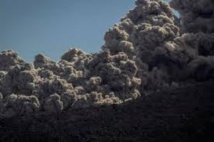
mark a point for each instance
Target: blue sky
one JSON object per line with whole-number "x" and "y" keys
{"x": 51, "y": 27}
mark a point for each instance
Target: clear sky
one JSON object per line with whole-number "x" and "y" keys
{"x": 51, "y": 27}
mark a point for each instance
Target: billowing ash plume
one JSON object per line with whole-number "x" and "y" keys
{"x": 196, "y": 15}
{"x": 142, "y": 35}
{"x": 146, "y": 51}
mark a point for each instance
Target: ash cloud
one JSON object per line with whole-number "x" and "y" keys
{"x": 146, "y": 51}
{"x": 196, "y": 15}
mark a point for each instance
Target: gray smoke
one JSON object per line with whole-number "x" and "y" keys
{"x": 196, "y": 15}
{"x": 146, "y": 51}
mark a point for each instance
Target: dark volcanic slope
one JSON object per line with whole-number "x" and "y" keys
{"x": 177, "y": 115}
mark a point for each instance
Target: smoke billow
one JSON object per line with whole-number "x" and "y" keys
{"x": 146, "y": 51}
{"x": 196, "y": 15}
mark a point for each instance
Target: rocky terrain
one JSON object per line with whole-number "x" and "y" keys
{"x": 179, "y": 115}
